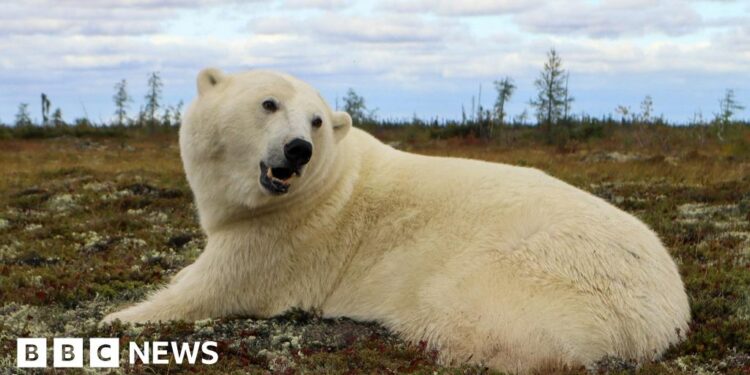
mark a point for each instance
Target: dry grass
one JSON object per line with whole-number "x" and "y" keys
{"x": 87, "y": 225}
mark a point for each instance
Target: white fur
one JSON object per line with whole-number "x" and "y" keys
{"x": 490, "y": 263}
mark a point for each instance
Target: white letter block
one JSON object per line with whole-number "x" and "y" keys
{"x": 31, "y": 353}
{"x": 104, "y": 352}
{"x": 67, "y": 352}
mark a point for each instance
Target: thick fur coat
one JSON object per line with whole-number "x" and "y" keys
{"x": 489, "y": 263}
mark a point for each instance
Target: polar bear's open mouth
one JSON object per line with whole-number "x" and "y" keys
{"x": 277, "y": 179}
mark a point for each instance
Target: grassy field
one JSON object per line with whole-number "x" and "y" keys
{"x": 90, "y": 224}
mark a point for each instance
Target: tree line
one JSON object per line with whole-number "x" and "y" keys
{"x": 551, "y": 106}
{"x": 153, "y": 113}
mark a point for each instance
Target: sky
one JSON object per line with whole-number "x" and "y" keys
{"x": 411, "y": 57}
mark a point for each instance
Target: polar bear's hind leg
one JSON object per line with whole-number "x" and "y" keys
{"x": 534, "y": 308}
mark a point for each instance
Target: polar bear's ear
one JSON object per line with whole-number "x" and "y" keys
{"x": 342, "y": 122}
{"x": 208, "y": 78}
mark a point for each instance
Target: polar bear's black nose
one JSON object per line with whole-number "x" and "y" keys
{"x": 298, "y": 152}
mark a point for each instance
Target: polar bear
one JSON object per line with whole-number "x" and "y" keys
{"x": 489, "y": 263}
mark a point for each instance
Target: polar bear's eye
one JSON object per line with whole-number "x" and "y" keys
{"x": 270, "y": 105}
{"x": 317, "y": 122}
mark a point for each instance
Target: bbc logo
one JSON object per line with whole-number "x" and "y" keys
{"x": 105, "y": 352}
{"x": 67, "y": 352}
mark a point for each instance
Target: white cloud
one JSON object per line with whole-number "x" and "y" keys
{"x": 79, "y": 47}
{"x": 737, "y": 40}
{"x": 462, "y": 8}
{"x": 337, "y": 27}
{"x": 613, "y": 18}
{"x": 105, "y": 17}
{"x": 316, "y": 4}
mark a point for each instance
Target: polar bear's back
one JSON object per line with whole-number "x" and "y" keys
{"x": 581, "y": 270}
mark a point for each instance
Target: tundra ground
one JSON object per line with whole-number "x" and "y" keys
{"x": 87, "y": 225}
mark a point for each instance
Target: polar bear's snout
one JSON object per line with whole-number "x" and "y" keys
{"x": 276, "y": 179}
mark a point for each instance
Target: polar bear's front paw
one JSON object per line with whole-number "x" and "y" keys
{"x": 120, "y": 315}
{"x": 133, "y": 314}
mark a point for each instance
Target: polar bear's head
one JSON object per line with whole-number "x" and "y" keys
{"x": 258, "y": 137}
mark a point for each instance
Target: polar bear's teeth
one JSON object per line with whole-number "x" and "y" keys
{"x": 269, "y": 174}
